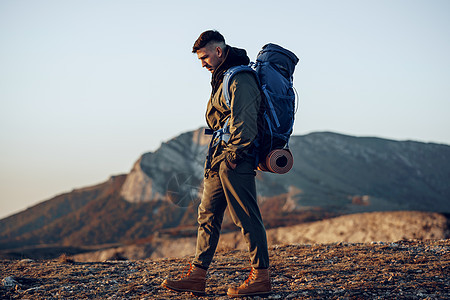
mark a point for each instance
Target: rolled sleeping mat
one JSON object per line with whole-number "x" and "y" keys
{"x": 278, "y": 161}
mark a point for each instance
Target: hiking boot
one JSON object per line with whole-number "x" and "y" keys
{"x": 194, "y": 281}
{"x": 257, "y": 284}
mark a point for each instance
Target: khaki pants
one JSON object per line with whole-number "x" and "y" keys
{"x": 235, "y": 189}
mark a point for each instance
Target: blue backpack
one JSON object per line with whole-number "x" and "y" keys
{"x": 273, "y": 69}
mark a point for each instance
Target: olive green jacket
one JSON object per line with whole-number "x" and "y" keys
{"x": 243, "y": 118}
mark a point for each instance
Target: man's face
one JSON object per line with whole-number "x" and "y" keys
{"x": 210, "y": 56}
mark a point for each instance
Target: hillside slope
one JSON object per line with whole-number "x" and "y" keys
{"x": 356, "y": 228}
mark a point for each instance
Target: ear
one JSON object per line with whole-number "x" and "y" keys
{"x": 219, "y": 51}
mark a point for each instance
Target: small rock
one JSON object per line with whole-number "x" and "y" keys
{"x": 9, "y": 282}
{"x": 31, "y": 290}
{"x": 278, "y": 279}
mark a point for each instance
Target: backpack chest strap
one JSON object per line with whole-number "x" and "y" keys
{"x": 222, "y": 134}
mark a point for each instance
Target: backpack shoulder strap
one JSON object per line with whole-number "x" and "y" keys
{"x": 228, "y": 76}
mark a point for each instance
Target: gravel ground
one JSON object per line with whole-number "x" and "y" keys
{"x": 404, "y": 269}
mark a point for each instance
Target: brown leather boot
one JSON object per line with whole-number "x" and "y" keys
{"x": 194, "y": 281}
{"x": 257, "y": 284}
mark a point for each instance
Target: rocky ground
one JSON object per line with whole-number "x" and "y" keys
{"x": 387, "y": 270}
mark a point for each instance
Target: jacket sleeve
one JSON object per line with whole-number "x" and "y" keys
{"x": 245, "y": 103}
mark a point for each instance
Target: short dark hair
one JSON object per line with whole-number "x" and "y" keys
{"x": 207, "y": 37}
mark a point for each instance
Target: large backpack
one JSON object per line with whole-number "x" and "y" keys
{"x": 274, "y": 68}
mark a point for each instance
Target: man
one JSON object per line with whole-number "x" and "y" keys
{"x": 229, "y": 172}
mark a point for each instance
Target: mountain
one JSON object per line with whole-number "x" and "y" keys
{"x": 333, "y": 175}
{"x": 333, "y": 171}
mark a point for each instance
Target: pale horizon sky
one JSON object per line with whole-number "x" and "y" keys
{"x": 86, "y": 87}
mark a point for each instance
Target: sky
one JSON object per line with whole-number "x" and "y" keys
{"x": 87, "y": 87}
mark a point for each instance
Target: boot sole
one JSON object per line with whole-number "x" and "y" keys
{"x": 262, "y": 294}
{"x": 196, "y": 293}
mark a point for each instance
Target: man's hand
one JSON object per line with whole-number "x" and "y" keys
{"x": 230, "y": 165}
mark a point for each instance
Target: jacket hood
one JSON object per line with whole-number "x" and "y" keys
{"x": 233, "y": 57}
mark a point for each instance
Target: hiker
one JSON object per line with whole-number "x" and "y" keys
{"x": 229, "y": 170}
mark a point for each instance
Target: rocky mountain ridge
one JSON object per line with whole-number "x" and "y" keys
{"x": 329, "y": 170}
